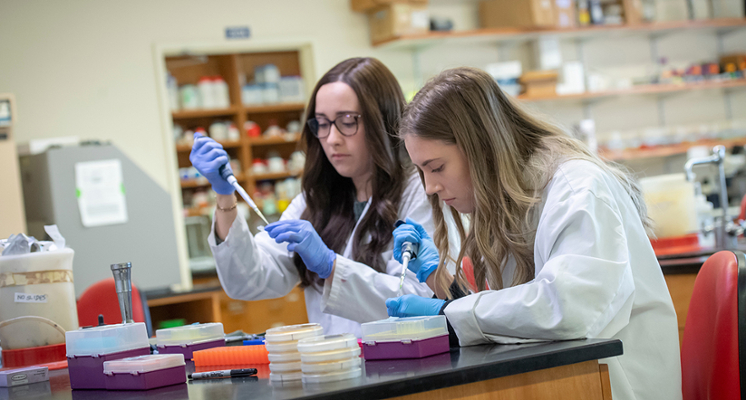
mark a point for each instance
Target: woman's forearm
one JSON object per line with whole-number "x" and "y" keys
{"x": 224, "y": 219}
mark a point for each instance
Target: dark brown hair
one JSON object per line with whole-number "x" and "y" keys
{"x": 330, "y": 197}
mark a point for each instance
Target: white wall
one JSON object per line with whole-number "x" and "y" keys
{"x": 86, "y": 68}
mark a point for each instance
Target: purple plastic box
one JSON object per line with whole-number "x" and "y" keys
{"x": 87, "y": 372}
{"x": 189, "y": 349}
{"x": 408, "y": 349}
{"x": 147, "y": 380}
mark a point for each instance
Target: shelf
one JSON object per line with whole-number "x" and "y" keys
{"x": 273, "y": 176}
{"x": 274, "y": 140}
{"x": 195, "y": 183}
{"x": 410, "y": 42}
{"x": 185, "y": 148}
{"x": 217, "y": 112}
{"x": 665, "y": 151}
{"x": 274, "y": 108}
{"x": 644, "y": 89}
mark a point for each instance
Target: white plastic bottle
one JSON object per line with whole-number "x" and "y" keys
{"x": 220, "y": 90}
{"x": 206, "y": 92}
{"x": 173, "y": 92}
{"x": 190, "y": 98}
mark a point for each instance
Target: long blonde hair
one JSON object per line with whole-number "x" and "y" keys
{"x": 512, "y": 156}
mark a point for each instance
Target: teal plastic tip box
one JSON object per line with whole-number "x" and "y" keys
{"x": 88, "y": 349}
{"x": 413, "y": 337}
{"x": 190, "y": 338}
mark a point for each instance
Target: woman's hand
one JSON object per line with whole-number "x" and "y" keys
{"x": 303, "y": 239}
{"x": 427, "y": 255}
{"x": 411, "y": 305}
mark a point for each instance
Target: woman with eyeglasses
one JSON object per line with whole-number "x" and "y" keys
{"x": 357, "y": 182}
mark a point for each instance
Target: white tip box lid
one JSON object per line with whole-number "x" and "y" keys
{"x": 190, "y": 334}
{"x": 398, "y": 329}
{"x": 143, "y": 364}
{"x": 106, "y": 339}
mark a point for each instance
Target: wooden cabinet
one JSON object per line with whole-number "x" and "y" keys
{"x": 681, "y": 286}
{"x": 216, "y": 306}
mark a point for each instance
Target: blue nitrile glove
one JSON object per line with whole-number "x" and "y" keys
{"x": 427, "y": 255}
{"x": 208, "y": 156}
{"x": 411, "y": 305}
{"x": 304, "y": 240}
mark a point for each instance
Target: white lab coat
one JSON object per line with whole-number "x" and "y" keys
{"x": 597, "y": 277}
{"x": 256, "y": 268}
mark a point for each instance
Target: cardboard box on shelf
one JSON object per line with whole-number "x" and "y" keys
{"x": 398, "y": 19}
{"x": 737, "y": 60}
{"x": 539, "y": 83}
{"x": 565, "y": 13}
{"x": 632, "y": 11}
{"x": 520, "y": 14}
{"x": 367, "y": 5}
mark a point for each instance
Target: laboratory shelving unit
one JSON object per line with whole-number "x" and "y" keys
{"x": 188, "y": 69}
{"x": 504, "y": 38}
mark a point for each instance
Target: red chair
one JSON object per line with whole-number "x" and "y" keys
{"x": 101, "y": 298}
{"x": 712, "y": 367}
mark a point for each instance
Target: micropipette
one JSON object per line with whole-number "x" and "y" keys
{"x": 408, "y": 252}
{"x": 228, "y": 176}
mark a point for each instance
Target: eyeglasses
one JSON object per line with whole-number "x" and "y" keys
{"x": 346, "y": 125}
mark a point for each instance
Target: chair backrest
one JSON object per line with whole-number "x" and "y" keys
{"x": 101, "y": 298}
{"x": 712, "y": 367}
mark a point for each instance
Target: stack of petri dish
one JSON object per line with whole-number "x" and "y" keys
{"x": 282, "y": 346}
{"x": 329, "y": 358}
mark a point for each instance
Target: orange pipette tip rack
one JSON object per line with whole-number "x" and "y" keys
{"x": 231, "y": 355}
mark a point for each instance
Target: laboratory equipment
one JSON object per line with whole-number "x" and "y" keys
{"x": 187, "y": 339}
{"x": 37, "y": 299}
{"x": 671, "y": 205}
{"x": 726, "y": 231}
{"x": 145, "y": 372}
{"x": 123, "y": 285}
{"x": 333, "y": 370}
{"x": 88, "y": 350}
{"x": 408, "y": 252}
{"x": 233, "y": 355}
{"x": 413, "y": 337}
{"x": 147, "y": 238}
{"x": 282, "y": 345}
{"x": 23, "y": 376}
{"x": 228, "y": 176}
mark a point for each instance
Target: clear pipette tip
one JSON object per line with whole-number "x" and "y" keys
{"x": 404, "y": 264}
{"x": 246, "y": 198}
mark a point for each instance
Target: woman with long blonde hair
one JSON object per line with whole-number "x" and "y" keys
{"x": 556, "y": 236}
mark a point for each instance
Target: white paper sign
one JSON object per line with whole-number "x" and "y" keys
{"x": 30, "y": 298}
{"x": 100, "y": 193}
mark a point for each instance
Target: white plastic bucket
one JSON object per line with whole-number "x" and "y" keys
{"x": 40, "y": 285}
